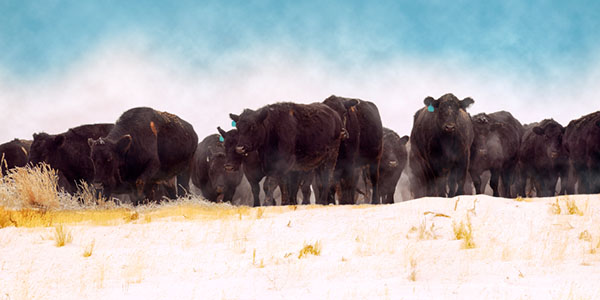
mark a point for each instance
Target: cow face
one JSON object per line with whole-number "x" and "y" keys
{"x": 481, "y": 128}
{"x": 552, "y": 137}
{"x": 447, "y": 110}
{"x": 216, "y": 167}
{"x": 107, "y": 157}
{"x": 233, "y": 160}
{"x": 251, "y": 128}
{"x": 44, "y": 147}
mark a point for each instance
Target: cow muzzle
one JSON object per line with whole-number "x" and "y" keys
{"x": 228, "y": 167}
{"x": 98, "y": 186}
{"x": 393, "y": 163}
{"x": 554, "y": 154}
{"x": 449, "y": 127}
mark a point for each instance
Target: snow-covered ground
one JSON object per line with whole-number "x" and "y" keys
{"x": 531, "y": 249}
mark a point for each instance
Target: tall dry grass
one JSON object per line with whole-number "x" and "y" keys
{"x": 30, "y": 187}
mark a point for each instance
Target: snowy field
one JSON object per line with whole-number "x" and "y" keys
{"x": 542, "y": 248}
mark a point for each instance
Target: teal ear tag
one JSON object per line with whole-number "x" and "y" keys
{"x": 221, "y": 139}
{"x": 430, "y": 108}
{"x": 233, "y": 123}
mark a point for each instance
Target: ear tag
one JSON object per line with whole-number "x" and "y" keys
{"x": 430, "y": 108}
{"x": 233, "y": 123}
{"x": 221, "y": 139}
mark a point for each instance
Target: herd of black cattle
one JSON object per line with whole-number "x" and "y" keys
{"x": 149, "y": 154}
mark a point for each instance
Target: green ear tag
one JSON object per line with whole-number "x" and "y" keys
{"x": 430, "y": 108}
{"x": 221, "y": 139}
{"x": 233, "y": 123}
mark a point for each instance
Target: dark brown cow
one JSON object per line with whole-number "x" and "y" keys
{"x": 495, "y": 148}
{"x": 144, "y": 148}
{"x": 68, "y": 153}
{"x": 209, "y": 172}
{"x": 541, "y": 157}
{"x": 393, "y": 162}
{"x": 14, "y": 154}
{"x": 582, "y": 143}
{"x": 292, "y": 138}
{"x": 361, "y": 147}
{"x": 441, "y": 140}
{"x": 249, "y": 162}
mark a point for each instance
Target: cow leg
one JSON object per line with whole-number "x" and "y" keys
{"x": 255, "y": 186}
{"x": 494, "y": 179}
{"x": 228, "y": 194}
{"x": 508, "y": 176}
{"x": 348, "y": 185}
{"x": 284, "y": 184}
{"x": 476, "y": 178}
{"x": 306, "y": 181}
{"x": 269, "y": 186}
{"x": 374, "y": 176}
{"x": 294, "y": 185}
{"x": 183, "y": 182}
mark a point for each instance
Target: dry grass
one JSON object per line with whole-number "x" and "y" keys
{"x": 62, "y": 236}
{"x": 87, "y": 252}
{"x": 572, "y": 208}
{"x": 33, "y": 187}
{"x": 464, "y": 231}
{"x": 412, "y": 276}
{"x": 309, "y": 249}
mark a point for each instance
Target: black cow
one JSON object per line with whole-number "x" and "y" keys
{"x": 582, "y": 143}
{"x": 14, "y": 154}
{"x": 392, "y": 164}
{"x": 249, "y": 162}
{"x": 145, "y": 147}
{"x": 441, "y": 140}
{"x": 495, "y": 148}
{"x": 362, "y": 146}
{"x": 68, "y": 153}
{"x": 290, "y": 139}
{"x": 541, "y": 157}
{"x": 209, "y": 172}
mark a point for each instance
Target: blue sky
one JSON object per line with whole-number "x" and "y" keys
{"x": 37, "y": 37}
{"x": 541, "y": 43}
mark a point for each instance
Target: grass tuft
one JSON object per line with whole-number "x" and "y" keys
{"x": 87, "y": 252}
{"x": 464, "y": 231}
{"x": 31, "y": 187}
{"x": 62, "y": 236}
{"x": 572, "y": 208}
{"x": 309, "y": 249}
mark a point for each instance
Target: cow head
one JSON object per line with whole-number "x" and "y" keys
{"x": 44, "y": 148}
{"x": 232, "y": 158}
{"x": 447, "y": 110}
{"x": 107, "y": 157}
{"x": 481, "y": 129}
{"x": 552, "y": 134}
{"x": 251, "y": 128}
{"x": 216, "y": 160}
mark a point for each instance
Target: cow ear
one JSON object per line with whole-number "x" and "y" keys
{"x": 429, "y": 101}
{"x": 124, "y": 144}
{"x": 538, "y": 130}
{"x": 91, "y": 142}
{"x": 222, "y": 132}
{"x": 465, "y": 103}
{"x": 404, "y": 140}
{"x": 262, "y": 115}
{"x": 350, "y": 103}
{"x": 35, "y": 136}
{"x": 234, "y": 117}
